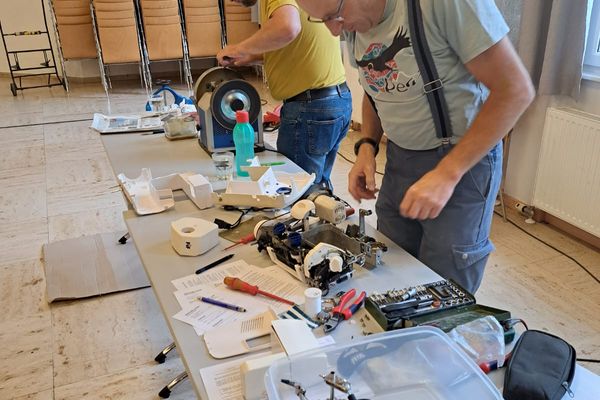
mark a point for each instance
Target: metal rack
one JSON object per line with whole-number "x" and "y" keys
{"x": 48, "y": 65}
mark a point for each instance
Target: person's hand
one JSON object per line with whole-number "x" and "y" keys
{"x": 426, "y": 198}
{"x": 361, "y": 178}
{"x": 233, "y": 55}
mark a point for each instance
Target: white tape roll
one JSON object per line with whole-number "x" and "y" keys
{"x": 312, "y": 301}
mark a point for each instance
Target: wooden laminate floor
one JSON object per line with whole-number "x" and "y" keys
{"x": 56, "y": 183}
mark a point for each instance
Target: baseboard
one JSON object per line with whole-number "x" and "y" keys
{"x": 571, "y": 230}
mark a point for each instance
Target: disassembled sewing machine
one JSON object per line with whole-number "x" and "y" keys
{"x": 315, "y": 250}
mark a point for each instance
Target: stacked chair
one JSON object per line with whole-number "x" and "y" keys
{"x": 239, "y": 25}
{"x": 119, "y": 38}
{"x": 73, "y": 25}
{"x": 203, "y": 27}
{"x": 163, "y": 32}
{"x": 147, "y": 31}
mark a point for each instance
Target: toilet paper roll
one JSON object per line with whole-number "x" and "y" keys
{"x": 312, "y": 301}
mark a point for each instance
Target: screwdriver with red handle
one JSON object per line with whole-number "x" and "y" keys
{"x": 245, "y": 240}
{"x": 238, "y": 284}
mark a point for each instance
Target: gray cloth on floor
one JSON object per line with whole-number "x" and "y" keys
{"x": 90, "y": 266}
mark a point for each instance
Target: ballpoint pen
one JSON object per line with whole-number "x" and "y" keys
{"x": 222, "y": 304}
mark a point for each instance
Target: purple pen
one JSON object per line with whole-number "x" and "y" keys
{"x": 221, "y": 304}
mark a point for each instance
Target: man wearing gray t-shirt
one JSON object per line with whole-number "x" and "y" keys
{"x": 437, "y": 196}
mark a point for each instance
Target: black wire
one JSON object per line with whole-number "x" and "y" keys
{"x": 243, "y": 211}
{"x": 554, "y": 248}
{"x": 509, "y": 323}
{"x": 45, "y": 123}
{"x": 354, "y": 162}
{"x": 280, "y": 215}
{"x": 589, "y": 360}
{"x": 226, "y": 225}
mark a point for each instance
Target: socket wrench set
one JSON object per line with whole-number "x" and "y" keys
{"x": 442, "y": 304}
{"x": 397, "y": 307}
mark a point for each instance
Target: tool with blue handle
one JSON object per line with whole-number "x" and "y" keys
{"x": 342, "y": 311}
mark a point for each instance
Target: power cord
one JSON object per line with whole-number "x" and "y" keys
{"x": 45, "y": 123}
{"x": 354, "y": 162}
{"x": 226, "y": 225}
{"x": 509, "y": 323}
{"x": 552, "y": 247}
{"x": 221, "y": 224}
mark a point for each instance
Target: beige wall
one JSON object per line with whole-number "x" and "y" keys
{"x": 23, "y": 15}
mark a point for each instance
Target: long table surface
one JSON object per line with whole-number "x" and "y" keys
{"x": 128, "y": 153}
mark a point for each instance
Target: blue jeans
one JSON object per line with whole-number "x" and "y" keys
{"x": 311, "y": 132}
{"x": 456, "y": 244}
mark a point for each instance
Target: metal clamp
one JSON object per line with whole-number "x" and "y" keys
{"x": 433, "y": 86}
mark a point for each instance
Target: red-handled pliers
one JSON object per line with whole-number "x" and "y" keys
{"x": 341, "y": 312}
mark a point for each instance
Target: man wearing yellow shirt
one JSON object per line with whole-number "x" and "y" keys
{"x": 304, "y": 68}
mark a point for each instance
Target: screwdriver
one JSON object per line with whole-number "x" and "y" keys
{"x": 245, "y": 240}
{"x": 238, "y": 284}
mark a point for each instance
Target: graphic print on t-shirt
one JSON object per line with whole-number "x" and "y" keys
{"x": 380, "y": 69}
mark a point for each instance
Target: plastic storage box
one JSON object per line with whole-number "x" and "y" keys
{"x": 415, "y": 363}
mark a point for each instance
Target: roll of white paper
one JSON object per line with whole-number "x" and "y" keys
{"x": 312, "y": 301}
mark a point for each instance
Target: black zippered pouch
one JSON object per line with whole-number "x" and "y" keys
{"x": 542, "y": 367}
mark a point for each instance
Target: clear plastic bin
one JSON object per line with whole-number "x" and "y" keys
{"x": 416, "y": 363}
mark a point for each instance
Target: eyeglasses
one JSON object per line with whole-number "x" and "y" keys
{"x": 334, "y": 17}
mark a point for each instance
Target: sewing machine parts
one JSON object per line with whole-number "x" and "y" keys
{"x": 149, "y": 195}
{"x": 193, "y": 236}
{"x": 266, "y": 188}
{"x": 315, "y": 251}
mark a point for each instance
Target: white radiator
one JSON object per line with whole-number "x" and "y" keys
{"x": 567, "y": 185}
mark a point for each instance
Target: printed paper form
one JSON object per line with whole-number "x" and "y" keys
{"x": 273, "y": 280}
{"x": 203, "y": 316}
{"x": 224, "y": 381}
{"x": 213, "y": 276}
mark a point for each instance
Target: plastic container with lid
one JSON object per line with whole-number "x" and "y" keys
{"x": 419, "y": 363}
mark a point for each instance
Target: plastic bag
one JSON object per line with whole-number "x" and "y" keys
{"x": 482, "y": 339}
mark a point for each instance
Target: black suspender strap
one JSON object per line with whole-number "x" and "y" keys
{"x": 433, "y": 86}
